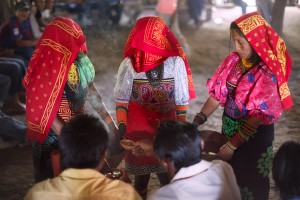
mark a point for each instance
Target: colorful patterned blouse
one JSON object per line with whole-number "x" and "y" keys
{"x": 83, "y": 73}
{"x": 174, "y": 68}
{"x": 256, "y": 92}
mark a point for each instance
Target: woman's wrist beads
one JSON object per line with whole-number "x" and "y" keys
{"x": 202, "y": 116}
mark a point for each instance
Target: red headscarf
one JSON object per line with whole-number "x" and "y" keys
{"x": 272, "y": 50}
{"x": 47, "y": 74}
{"x": 150, "y": 43}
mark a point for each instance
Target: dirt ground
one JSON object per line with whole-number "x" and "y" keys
{"x": 208, "y": 45}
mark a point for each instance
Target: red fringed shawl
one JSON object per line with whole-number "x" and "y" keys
{"x": 272, "y": 50}
{"x": 47, "y": 74}
{"x": 150, "y": 43}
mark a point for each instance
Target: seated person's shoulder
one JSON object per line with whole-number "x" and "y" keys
{"x": 222, "y": 166}
{"x": 118, "y": 189}
{"x": 38, "y": 189}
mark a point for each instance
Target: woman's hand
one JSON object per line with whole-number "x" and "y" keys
{"x": 121, "y": 131}
{"x": 143, "y": 148}
{"x": 225, "y": 153}
{"x": 112, "y": 128}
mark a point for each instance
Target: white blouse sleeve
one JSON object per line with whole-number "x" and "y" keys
{"x": 181, "y": 83}
{"x": 123, "y": 88}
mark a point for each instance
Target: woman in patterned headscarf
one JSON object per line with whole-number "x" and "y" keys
{"x": 251, "y": 85}
{"x": 58, "y": 81}
{"x": 154, "y": 85}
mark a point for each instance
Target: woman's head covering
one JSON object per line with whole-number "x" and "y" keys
{"x": 150, "y": 43}
{"x": 47, "y": 74}
{"x": 271, "y": 49}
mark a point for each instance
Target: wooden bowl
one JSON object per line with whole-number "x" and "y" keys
{"x": 127, "y": 144}
{"x": 114, "y": 173}
{"x": 213, "y": 141}
{"x": 209, "y": 156}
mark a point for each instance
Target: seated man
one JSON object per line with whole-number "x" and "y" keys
{"x": 178, "y": 145}
{"x": 12, "y": 130}
{"x": 83, "y": 147}
{"x": 16, "y": 33}
{"x": 15, "y": 72}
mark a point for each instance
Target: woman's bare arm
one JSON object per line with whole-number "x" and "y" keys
{"x": 95, "y": 99}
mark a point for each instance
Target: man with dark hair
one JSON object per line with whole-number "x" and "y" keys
{"x": 179, "y": 145}
{"x": 83, "y": 147}
{"x": 16, "y": 33}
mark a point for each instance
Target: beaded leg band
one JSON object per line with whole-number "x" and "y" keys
{"x": 181, "y": 112}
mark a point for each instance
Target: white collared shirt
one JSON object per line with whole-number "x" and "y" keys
{"x": 205, "y": 180}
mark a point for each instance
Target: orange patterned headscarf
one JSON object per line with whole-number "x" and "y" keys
{"x": 150, "y": 43}
{"x": 47, "y": 74}
{"x": 271, "y": 49}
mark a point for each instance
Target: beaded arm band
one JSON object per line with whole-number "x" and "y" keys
{"x": 199, "y": 119}
{"x": 181, "y": 112}
{"x": 241, "y": 136}
{"x": 202, "y": 115}
{"x": 121, "y": 112}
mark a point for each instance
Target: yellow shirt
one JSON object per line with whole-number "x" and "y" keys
{"x": 82, "y": 184}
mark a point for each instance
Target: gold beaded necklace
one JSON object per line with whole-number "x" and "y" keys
{"x": 246, "y": 64}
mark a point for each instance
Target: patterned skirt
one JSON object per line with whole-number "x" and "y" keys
{"x": 141, "y": 125}
{"x": 252, "y": 161}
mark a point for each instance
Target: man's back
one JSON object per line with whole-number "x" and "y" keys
{"x": 204, "y": 180}
{"x": 82, "y": 184}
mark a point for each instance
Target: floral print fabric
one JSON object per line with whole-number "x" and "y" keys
{"x": 256, "y": 93}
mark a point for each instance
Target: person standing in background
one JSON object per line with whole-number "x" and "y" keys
{"x": 264, "y": 7}
{"x": 132, "y": 8}
{"x": 168, "y": 10}
{"x": 195, "y": 10}
{"x": 242, "y": 4}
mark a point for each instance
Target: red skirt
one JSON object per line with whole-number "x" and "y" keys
{"x": 142, "y": 124}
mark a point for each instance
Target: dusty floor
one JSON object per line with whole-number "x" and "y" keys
{"x": 208, "y": 46}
